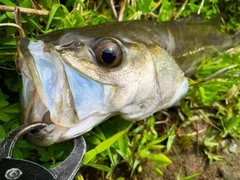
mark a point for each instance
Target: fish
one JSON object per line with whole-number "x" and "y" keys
{"x": 76, "y": 78}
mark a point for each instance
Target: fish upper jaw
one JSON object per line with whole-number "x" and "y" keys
{"x": 58, "y": 95}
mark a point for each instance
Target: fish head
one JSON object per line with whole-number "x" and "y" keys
{"x": 73, "y": 82}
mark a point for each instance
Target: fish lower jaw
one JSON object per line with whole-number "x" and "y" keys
{"x": 84, "y": 126}
{"x": 36, "y": 111}
{"x": 54, "y": 133}
{"x": 47, "y": 135}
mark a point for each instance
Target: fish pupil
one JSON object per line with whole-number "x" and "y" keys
{"x": 108, "y": 55}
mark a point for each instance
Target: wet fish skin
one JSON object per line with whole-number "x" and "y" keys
{"x": 188, "y": 40}
{"x": 79, "y": 93}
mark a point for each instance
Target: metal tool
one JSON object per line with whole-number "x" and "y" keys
{"x": 11, "y": 169}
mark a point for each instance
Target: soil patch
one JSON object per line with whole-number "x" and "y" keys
{"x": 195, "y": 161}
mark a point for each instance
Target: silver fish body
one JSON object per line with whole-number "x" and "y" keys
{"x": 74, "y": 79}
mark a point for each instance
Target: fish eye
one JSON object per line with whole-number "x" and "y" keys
{"x": 108, "y": 53}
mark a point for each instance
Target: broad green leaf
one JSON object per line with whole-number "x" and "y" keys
{"x": 67, "y": 22}
{"x": 100, "y": 167}
{"x": 123, "y": 143}
{"x": 2, "y": 132}
{"x": 210, "y": 143}
{"x": 8, "y": 44}
{"x": 171, "y": 137}
{"x": 46, "y": 158}
{"x": 120, "y": 178}
{"x": 151, "y": 124}
{"x": 158, "y": 140}
{"x": 135, "y": 165}
{"x": 191, "y": 176}
{"x": 158, "y": 172}
{"x": 2, "y": 96}
{"x": 81, "y": 3}
{"x": 33, "y": 23}
{"x": 58, "y": 154}
{"x": 79, "y": 176}
{"x": 25, "y": 3}
{"x": 8, "y": 3}
{"x": 3, "y": 103}
{"x": 126, "y": 155}
{"x": 4, "y": 117}
{"x": 136, "y": 141}
{"x": 51, "y": 150}
{"x": 17, "y": 153}
{"x": 42, "y": 151}
{"x": 93, "y": 139}
{"x": 144, "y": 6}
{"x": 78, "y": 20}
{"x": 100, "y": 133}
{"x": 230, "y": 126}
{"x": 102, "y": 147}
{"x": 136, "y": 130}
{"x": 159, "y": 159}
{"x": 14, "y": 108}
{"x": 185, "y": 108}
{"x": 3, "y": 17}
{"x": 93, "y": 133}
{"x": 53, "y": 11}
{"x": 95, "y": 21}
{"x": 22, "y": 144}
{"x": 152, "y": 147}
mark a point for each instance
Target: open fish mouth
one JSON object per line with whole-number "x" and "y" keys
{"x": 55, "y": 93}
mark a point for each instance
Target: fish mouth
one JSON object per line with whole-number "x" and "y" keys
{"x": 57, "y": 94}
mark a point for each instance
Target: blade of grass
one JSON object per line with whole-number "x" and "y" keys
{"x": 53, "y": 12}
{"x": 102, "y": 147}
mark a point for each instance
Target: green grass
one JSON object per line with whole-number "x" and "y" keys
{"x": 117, "y": 141}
